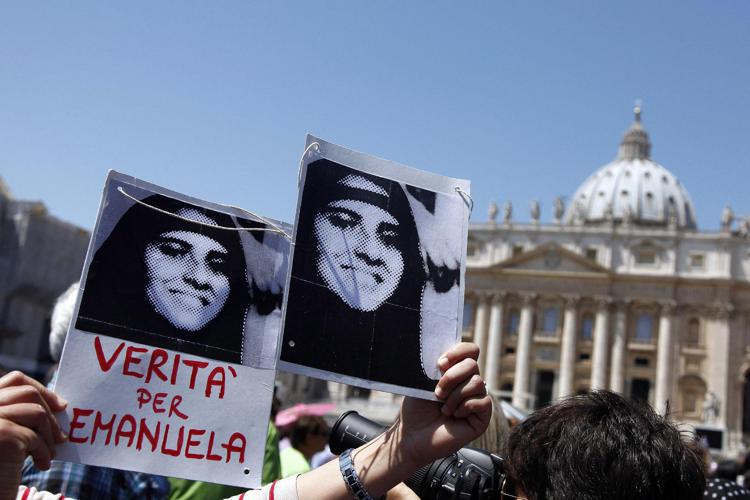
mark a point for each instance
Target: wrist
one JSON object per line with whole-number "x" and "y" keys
{"x": 386, "y": 461}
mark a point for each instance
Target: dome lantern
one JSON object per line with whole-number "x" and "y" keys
{"x": 635, "y": 143}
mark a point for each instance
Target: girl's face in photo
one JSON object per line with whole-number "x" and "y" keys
{"x": 186, "y": 277}
{"x": 358, "y": 253}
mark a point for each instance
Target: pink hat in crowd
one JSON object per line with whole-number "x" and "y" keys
{"x": 290, "y": 415}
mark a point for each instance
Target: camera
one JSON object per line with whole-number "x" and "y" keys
{"x": 468, "y": 474}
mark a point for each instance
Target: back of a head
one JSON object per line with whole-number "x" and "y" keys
{"x": 307, "y": 424}
{"x": 602, "y": 446}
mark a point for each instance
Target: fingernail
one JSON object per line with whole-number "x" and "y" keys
{"x": 62, "y": 402}
{"x": 445, "y": 410}
{"x": 442, "y": 362}
{"x": 439, "y": 392}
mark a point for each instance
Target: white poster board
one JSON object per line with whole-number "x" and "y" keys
{"x": 168, "y": 366}
{"x": 375, "y": 292}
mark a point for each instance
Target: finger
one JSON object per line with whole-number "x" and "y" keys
{"x": 17, "y": 378}
{"x": 478, "y": 420}
{"x": 474, "y": 387}
{"x": 481, "y": 407}
{"x": 30, "y": 443}
{"x": 457, "y": 353}
{"x": 455, "y": 376}
{"x": 28, "y": 394}
{"x": 32, "y": 416}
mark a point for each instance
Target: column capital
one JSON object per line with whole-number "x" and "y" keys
{"x": 622, "y": 304}
{"x": 722, "y": 310}
{"x": 483, "y": 294}
{"x": 528, "y": 298}
{"x": 499, "y": 297}
{"x": 603, "y": 301}
{"x": 571, "y": 300}
{"x": 668, "y": 307}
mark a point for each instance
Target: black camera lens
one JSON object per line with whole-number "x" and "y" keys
{"x": 352, "y": 430}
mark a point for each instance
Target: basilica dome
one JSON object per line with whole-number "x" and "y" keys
{"x": 633, "y": 189}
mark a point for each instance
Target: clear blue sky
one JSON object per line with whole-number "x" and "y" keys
{"x": 524, "y": 98}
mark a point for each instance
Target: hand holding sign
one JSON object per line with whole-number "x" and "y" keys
{"x": 27, "y": 425}
{"x": 432, "y": 431}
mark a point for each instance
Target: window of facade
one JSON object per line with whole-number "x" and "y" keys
{"x": 584, "y": 356}
{"x": 514, "y": 318}
{"x": 644, "y": 328}
{"x": 507, "y": 389}
{"x": 693, "y": 393}
{"x": 591, "y": 254}
{"x": 693, "y": 334}
{"x": 645, "y": 256}
{"x": 689, "y": 402}
{"x": 472, "y": 249}
{"x": 697, "y": 260}
{"x": 517, "y": 250}
{"x": 547, "y": 354}
{"x": 468, "y": 315}
{"x": 549, "y": 320}
{"x": 640, "y": 388}
{"x": 545, "y": 381}
{"x": 587, "y": 326}
{"x": 510, "y": 350}
{"x": 641, "y": 362}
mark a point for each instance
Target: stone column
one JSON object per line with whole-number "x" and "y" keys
{"x": 480, "y": 325}
{"x": 719, "y": 375}
{"x": 523, "y": 354}
{"x": 599, "y": 354}
{"x": 495, "y": 342}
{"x": 664, "y": 349}
{"x": 568, "y": 348}
{"x": 617, "y": 370}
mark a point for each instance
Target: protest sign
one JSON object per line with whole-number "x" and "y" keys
{"x": 177, "y": 294}
{"x": 375, "y": 293}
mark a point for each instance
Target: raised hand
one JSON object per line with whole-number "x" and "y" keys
{"x": 430, "y": 430}
{"x": 27, "y": 427}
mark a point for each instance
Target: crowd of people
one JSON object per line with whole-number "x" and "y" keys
{"x": 593, "y": 446}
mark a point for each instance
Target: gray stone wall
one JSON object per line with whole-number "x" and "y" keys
{"x": 40, "y": 256}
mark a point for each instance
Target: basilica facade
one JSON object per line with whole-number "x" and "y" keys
{"x": 620, "y": 291}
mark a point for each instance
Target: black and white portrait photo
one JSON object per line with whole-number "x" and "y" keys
{"x": 165, "y": 275}
{"x": 374, "y": 289}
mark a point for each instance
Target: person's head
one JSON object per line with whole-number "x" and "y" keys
{"x": 602, "y": 446}
{"x": 183, "y": 267}
{"x": 309, "y": 435}
{"x": 363, "y": 236}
